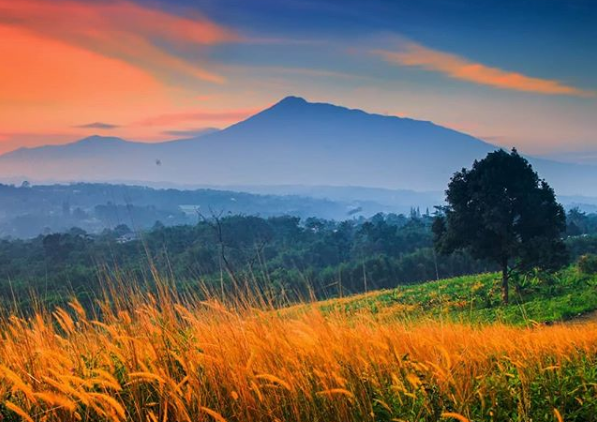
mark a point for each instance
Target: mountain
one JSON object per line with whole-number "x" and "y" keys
{"x": 587, "y": 156}
{"x": 294, "y": 142}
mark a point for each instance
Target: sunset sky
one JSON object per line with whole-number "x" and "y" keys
{"x": 515, "y": 73}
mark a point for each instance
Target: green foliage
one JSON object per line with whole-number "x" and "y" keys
{"x": 565, "y": 295}
{"x": 579, "y": 223}
{"x": 587, "y": 264}
{"x": 500, "y": 210}
{"x": 286, "y": 257}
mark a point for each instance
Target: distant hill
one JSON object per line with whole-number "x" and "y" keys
{"x": 292, "y": 143}
{"x": 29, "y": 211}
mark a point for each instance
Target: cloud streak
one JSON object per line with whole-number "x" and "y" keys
{"x": 98, "y": 125}
{"x": 456, "y": 67}
{"x": 121, "y": 30}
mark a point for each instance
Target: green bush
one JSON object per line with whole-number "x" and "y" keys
{"x": 587, "y": 264}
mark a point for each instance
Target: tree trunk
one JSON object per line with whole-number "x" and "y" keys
{"x": 505, "y": 296}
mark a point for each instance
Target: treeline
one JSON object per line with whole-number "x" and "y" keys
{"x": 286, "y": 256}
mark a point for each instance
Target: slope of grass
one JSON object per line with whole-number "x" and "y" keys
{"x": 478, "y": 299}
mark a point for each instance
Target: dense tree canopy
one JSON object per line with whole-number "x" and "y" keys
{"x": 283, "y": 255}
{"x": 501, "y": 210}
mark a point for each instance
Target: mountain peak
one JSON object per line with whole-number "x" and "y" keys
{"x": 299, "y": 106}
{"x": 290, "y": 103}
{"x": 292, "y": 99}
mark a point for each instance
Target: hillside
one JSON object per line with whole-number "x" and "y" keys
{"x": 565, "y": 296}
{"x": 294, "y": 142}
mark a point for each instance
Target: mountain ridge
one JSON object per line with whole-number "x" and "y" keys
{"x": 287, "y": 103}
{"x": 293, "y": 142}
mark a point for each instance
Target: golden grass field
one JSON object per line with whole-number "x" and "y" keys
{"x": 164, "y": 358}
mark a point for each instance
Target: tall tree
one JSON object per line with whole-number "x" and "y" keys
{"x": 502, "y": 211}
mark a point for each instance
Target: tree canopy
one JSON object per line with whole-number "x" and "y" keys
{"x": 501, "y": 210}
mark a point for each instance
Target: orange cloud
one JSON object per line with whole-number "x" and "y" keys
{"x": 67, "y": 62}
{"x": 48, "y": 86}
{"x": 42, "y": 71}
{"x": 119, "y": 29}
{"x": 456, "y": 67}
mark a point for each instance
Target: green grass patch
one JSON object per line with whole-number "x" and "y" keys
{"x": 539, "y": 299}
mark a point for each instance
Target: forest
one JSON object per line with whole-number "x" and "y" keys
{"x": 286, "y": 256}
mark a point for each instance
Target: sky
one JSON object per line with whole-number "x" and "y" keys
{"x": 512, "y": 72}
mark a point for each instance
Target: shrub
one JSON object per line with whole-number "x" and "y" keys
{"x": 587, "y": 264}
